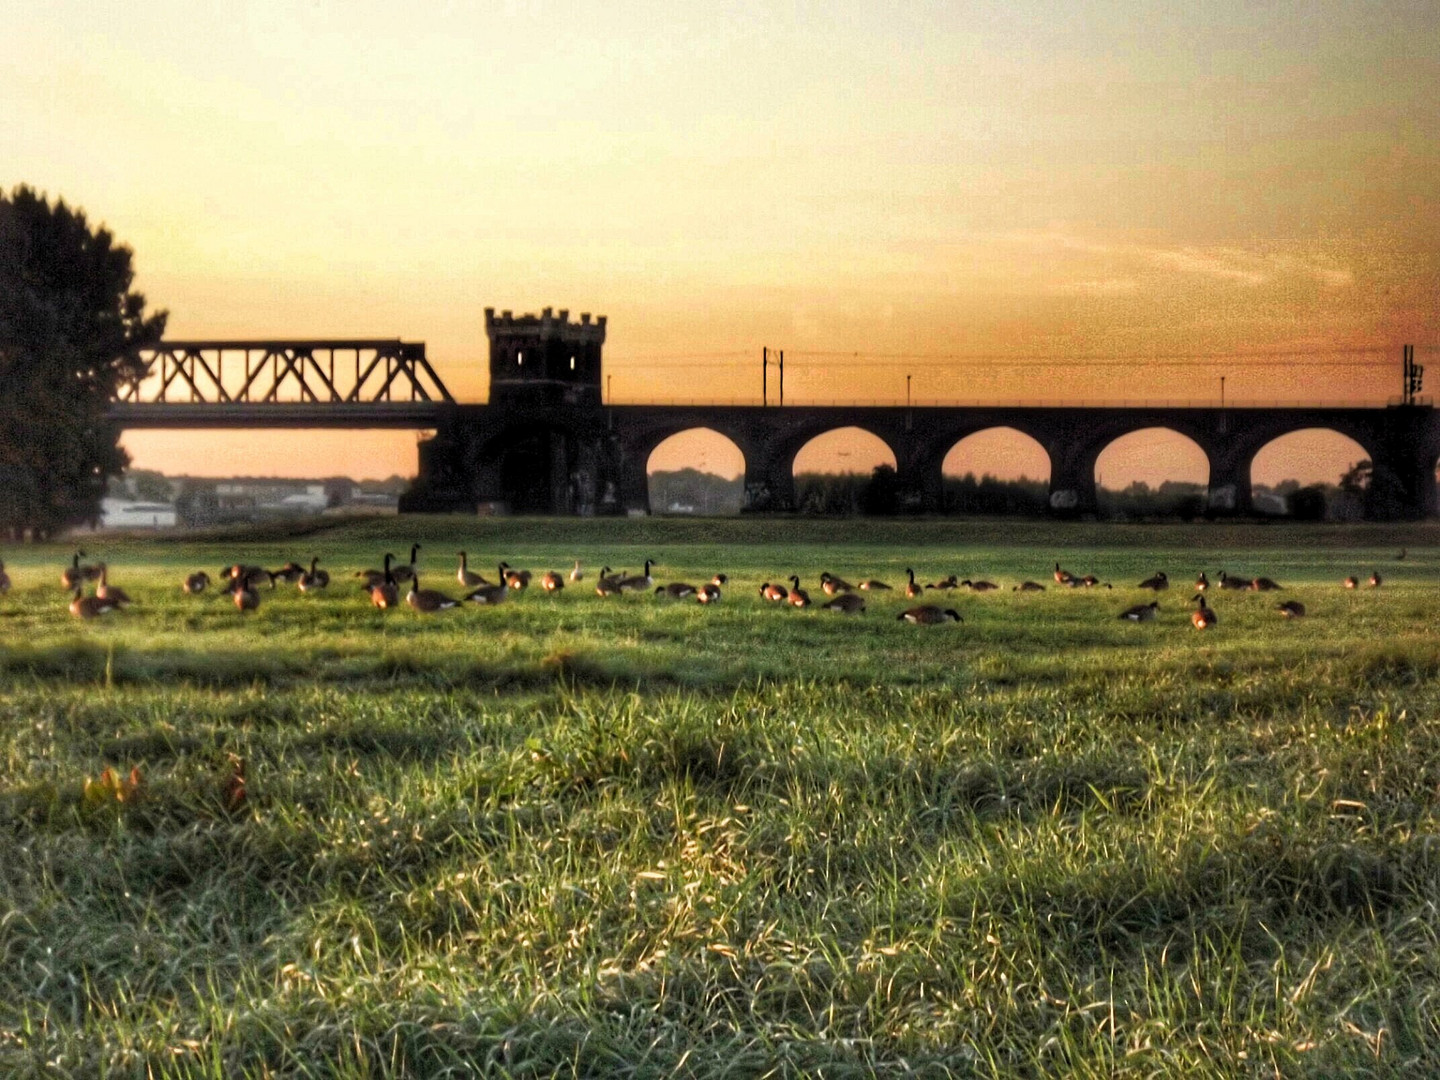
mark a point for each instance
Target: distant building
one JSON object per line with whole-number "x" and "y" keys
{"x": 127, "y": 514}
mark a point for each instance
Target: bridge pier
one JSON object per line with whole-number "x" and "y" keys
{"x": 1072, "y": 480}
{"x": 1229, "y": 491}
{"x": 1402, "y": 478}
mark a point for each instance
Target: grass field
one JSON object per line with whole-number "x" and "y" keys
{"x": 573, "y": 836}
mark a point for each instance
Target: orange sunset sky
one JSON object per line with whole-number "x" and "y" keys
{"x": 1002, "y": 200}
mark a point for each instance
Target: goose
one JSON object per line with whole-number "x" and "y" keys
{"x": 1228, "y": 582}
{"x": 833, "y": 585}
{"x": 638, "y": 582}
{"x": 1401, "y": 556}
{"x": 1141, "y": 612}
{"x": 978, "y": 586}
{"x": 1089, "y": 581}
{"x": 1203, "y": 617}
{"x": 427, "y": 600}
{"x": 516, "y": 579}
{"x": 846, "y": 604}
{"x": 1029, "y": 586}
{"x": 196, "y": 583}
{"x": 1352, "y": 582}
{"x": 385, "y": 594}
{"x": 1062, "y": 577}
{"x": 874, "y": 586}
{"x": 911, "y": 589}
{"x": 245, "y": 595}
{"x": 708, "y": 594}
{"x": 75, "y": 574}
{"x": 1264, "y": 584}
{"x": 552, "y": 582}
{"x": 465, "y": 575}
{"x": 1374, "y": 579}
{"x": 248, "y": 575}
{"x": 929, "y": 615}
{"x": 945, "y": 584}
{"x": 4, "y": 578}
{"x": 290, "y": 573}
{"x": 490, "y": 595}
{"x": 676, "y": 590}
{"x": 314, "y": 578}
{"x": 1291, "y": 609}
{"x": 776, "y": 593}
{"x": 90, "y": 607}
{"x": 1202, "y": 582}
{"x": 408, "y": 570}
{"x": 577, "y": 574}
{"x": 608, "y": 585}
{"x": 1156, "y": 583}
{"x": 798, "y": 597}
{"x": 719, "y": 579}
{"x": 105, "y": 591}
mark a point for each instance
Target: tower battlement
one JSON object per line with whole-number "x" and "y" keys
{"x": 546, "y": 358}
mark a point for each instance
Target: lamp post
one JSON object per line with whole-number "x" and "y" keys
{"x": 607, "y": 389}
{"x": 1222, "y": 391}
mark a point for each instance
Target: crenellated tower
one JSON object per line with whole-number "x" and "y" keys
{"x": 544, "y": 359}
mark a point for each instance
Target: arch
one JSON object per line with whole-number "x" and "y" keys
{"x": 535, "y": 469}
{"x": 1314, "y": 461}
{"x": 696, "y": 471}
{"x": 1152, "y": 471}
{"x": 833, "y": 471}
{"x": 996, "y": 470}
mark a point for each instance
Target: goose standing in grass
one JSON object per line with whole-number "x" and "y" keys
{"x": 105, "y": 591}
{"x": 1062, "y": 577}
{"x": 708, "y": 594}
{"x": 929, "y": 615}
{"x": 577, "y": 574}
{"x": 1157, "y": 582}
{"x": 777, "y": 594}
{"x": 385, "y": 594}
{"x": 1374, "y": 579}
{"x": 4, "y": 579}
{"x": 608, "y": 585}
{"x": 1141, "y": 612}
{"x": 410, "y": 569}
{"x": 1202, "y": 582}
{"x": 638, "y": 582}
{"x": 1029, "y": 586}
{"x": 490, "y": 595}
{"x": 847, "y": 604}
{"x": 195, "y": 583}
{"x": 1352, "y": 582}
{"x": 1291, "y": 609}
{"x": 427, "y": 601}
{"x": 314, "y": 579}
{"x": 244, "y": 594}
{"x": 978, "y": 586}
{"x": 552, "y": 582}
{"x": 798, "y": 597}
{"x": 90, "y": 607}
{"x": 1203, "y": 616}
{"x": 290, "y": 573}
{"x": 249, "y": 576}
{"x": 834, "y": 586}
{"x": 1232, "y": 583}
{"x": 719, "y": 579}
{"x": 676, "y": 590}
{"x": 1264, "y": 584}
{"x": 75, "y": 574}
{"x": 911, "y": 589}
{"x": 516, "y": 579}
{"x": 465, "y": 575}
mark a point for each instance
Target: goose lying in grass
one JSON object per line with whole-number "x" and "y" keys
{"x": 929, "y": 615}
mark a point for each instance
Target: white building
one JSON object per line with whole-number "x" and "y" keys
{"x": 127, "y": 514}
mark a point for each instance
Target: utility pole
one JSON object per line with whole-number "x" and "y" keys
{"x": 782, "y": 378}
{"x": 765, "y": 375}
{"x": 1224, "y": 427}
{"x": 908, "y": 416}
{"x": 608, "y": 399}
{"x": 1412, "y": 376}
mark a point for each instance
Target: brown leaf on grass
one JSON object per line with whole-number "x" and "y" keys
{"x": 232, "y": 790}
{"x": 111, "y": 787}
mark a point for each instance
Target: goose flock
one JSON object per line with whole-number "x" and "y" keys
{"x": 246, "y": 583}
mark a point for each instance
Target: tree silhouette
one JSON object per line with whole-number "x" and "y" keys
{"x": 70, "y": 332}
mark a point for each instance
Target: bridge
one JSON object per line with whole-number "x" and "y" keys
{"x": 546, "y": 443}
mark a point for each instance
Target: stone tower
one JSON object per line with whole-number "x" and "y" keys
{"x": 544, "y": 359}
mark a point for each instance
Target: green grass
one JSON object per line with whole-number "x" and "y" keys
{"x": 571, "y": 836}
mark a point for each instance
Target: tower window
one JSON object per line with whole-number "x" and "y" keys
{"x": 572, "y": 363}
{"x": 520, "y": 359}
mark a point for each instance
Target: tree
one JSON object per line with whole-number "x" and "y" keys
{"x": 71, "y": 332}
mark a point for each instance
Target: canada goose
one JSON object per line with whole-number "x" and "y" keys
{"x": 798, "y": 597}
{"x": 945, "y": 583}
{"x": 676, "y": 590}
{"x": 1291, "y": 609}
{"x": 4, "y": 578}
{"x": 719, "y": 579}
{"x": 1029, "y": 586}
{"x": 89, "y": 607}
{"x": 1202, "y": 582}
{"x": 833, "y": 585}
{"x": 911, "y": 589}
{"x": 978, "y": 586}
{"x": 196, "y": 583}
{"x": 248, "y": 575}
{"x": 74, "y": 574}
{"x": 1264, "y": 584}
{"x": 1141, "y": 612}
{"x": 1374, "y": 579}
{"x": 638, "y": 582}
{"x": 1203, "y": 617}
{"x": 314, "y": 579}
{"x": 846, "y": 604}
{"x": 385, "y": 594}
{"x": 929, "y": 615}
{"x": 1089, "y": 581}
{"x": 465, "y": 575}
{"x": 105, "y": 591}
{"x": 874, "y": 586}
{"x": 1228, "y": 582}
{"x": 577, "y": 574}
{"x": 1156, "y": 583}
{"x": 290, "y": 573}
{"x": 408, "y": 570}
{"x": 490, "y": 595}
{"x": 552, "y": 582}
{"x": 1401, "y": 556}
{"x": 775, "y": 593}
{"x": 516, "y": 579}
{"x": 1062, "y": 577}
{"x": 608, "y": 585}
{"x": 708, "y": 594}
{"x": 1352, "y": 582}
{"x": 245, "y": 595}
{"x": 427, "y": 600}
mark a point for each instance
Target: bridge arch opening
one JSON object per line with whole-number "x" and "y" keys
{"x": 835, "y": 473}
{"x": 998, "y": 470}
{"x": 1153, "y": 472}
{"x": 1311, "y": 474}
{"x": 696, "y": 471}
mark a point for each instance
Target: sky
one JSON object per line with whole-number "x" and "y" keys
{"x": 1003, "y": 200}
